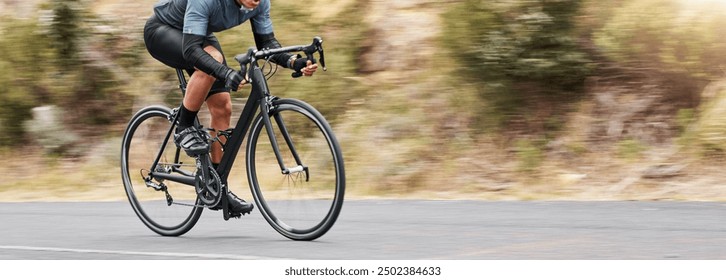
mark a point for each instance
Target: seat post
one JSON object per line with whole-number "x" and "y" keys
{"x": 182, "y": 81}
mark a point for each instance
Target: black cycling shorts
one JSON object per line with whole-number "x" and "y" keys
{"x": 165, "y": 44}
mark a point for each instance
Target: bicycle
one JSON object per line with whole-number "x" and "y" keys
{"x": 294, "y": 162}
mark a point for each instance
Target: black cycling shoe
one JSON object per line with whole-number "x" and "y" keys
{"x": 192, "y": 141}
{"x": 236, "y": 205}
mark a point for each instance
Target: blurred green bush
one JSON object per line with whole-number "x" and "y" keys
{"x": 24, "y": 52}
{"x": 668, "y": 35}
{"x": 509, "y": 41}
{"x": 515, "y": 51}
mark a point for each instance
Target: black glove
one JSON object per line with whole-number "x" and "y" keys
{"x": 300, "y": 63}
{"x": 232, "y": 79}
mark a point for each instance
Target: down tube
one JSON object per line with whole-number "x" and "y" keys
{"x": 240, "y": 130}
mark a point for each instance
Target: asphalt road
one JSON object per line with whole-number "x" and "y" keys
{"x": 381, "y": 230}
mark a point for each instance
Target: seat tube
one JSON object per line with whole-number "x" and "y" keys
{"x": 162, "y": 148}
{"x": 182, "y": 81}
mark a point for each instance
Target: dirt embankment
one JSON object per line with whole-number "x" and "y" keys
{"x": 628, "y": 138}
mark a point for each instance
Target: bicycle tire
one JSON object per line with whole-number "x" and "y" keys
{"x": 141, "y": 144}
{"x": 296, "y": 208}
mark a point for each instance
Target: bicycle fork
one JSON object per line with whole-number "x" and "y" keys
{"x": 267, "y": 109}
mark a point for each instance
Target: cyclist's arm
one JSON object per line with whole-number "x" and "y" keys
{"x": 194, "y": 32}
{"x": 195, "y": 54}
{"x": 268, "y": 41}
{"x": 265, "y": 36}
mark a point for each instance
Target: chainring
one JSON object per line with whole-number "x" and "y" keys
{"x": 209, "y": 193}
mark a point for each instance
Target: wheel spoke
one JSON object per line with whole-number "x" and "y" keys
{"x": 297, "y": 204}
{"x": 162, "y": 205}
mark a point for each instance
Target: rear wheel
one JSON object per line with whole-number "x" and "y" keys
{"x": 303, "y": 201}
{"x": 167, "y": 208}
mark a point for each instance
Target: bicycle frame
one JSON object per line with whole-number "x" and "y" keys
{"x": 259, "y": 98}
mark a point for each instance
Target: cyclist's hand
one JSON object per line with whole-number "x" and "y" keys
{"x": 233, "y": 80}
{"x": 305, "y": 66}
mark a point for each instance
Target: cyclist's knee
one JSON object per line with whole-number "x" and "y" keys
{"x": 220, "y": 106}
{"x": 205, "y": 78}
{"x": 216, "y": 54}
{"x": 220, "y": 116}
{"x": 223, "y": 112}
{"x": 200, "y": 77}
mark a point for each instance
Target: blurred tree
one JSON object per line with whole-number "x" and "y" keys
{"x": 49, "y": 61}
{"x": 517, "y": 51}
{"x": 66, "y": 31}
{"x": 86, "y": 84}
{"x": 23, "y": 51}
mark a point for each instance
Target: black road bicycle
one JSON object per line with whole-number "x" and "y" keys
{"x": 294, "y": 162}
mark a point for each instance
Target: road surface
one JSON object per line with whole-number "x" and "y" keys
{"x": 381, "y": 230}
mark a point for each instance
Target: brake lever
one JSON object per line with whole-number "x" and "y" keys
{"x": 316, "y": 46}
{"x": 319, "y": 47}
{"x": 243, "y": 59}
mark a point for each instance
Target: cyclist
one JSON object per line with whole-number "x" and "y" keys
{"x": 180, "y": 34}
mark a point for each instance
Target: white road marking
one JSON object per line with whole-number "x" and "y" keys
{"x": 137, "y": 253}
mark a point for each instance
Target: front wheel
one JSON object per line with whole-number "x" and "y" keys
{"x": 303, "y": 198}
